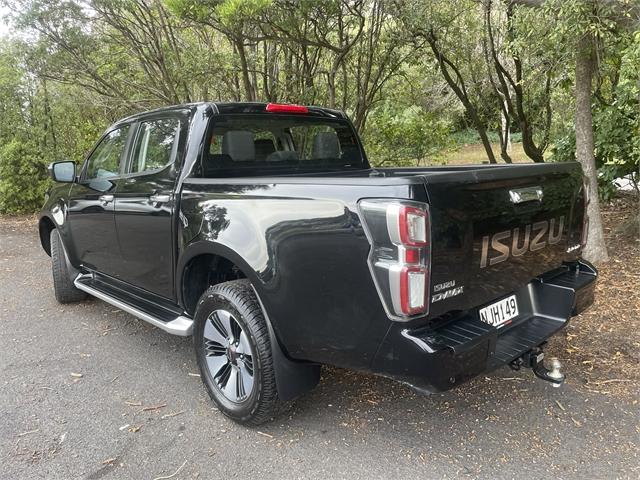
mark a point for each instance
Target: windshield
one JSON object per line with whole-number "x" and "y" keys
{"x": 286, "y": 143}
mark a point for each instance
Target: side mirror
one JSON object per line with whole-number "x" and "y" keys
{"x": 64, "y": 172}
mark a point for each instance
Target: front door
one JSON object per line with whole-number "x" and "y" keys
{"x": 145, "y": 206}
{"x": 94, "y": 241}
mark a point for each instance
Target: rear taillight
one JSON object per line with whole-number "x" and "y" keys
{"x": 413, "y": 290}
{"x": 399, "y": 260}
{"x": 407, "y": 225}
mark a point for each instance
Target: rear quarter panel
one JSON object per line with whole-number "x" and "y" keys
{"x": 304, "y": 249}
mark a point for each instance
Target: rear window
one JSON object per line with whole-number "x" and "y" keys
{"x": 238, "y": 144}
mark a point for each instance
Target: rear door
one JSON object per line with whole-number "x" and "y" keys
{"x": 494, "y": 229}
{"x": 145, "y": 204}
{"x": 91, "y": 203}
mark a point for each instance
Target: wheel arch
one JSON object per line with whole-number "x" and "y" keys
{"x": 45, "y": 227}
{"x": 292, "y": 377}
{"x": 204, "y": 264}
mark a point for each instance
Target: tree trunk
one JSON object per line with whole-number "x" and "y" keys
{"x": 596, "y": 249}
{"x": 458, "y": 87}
{"x": 505, "y": 133}
{"x": 244, "y": 68}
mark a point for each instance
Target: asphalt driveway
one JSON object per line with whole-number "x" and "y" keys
{"x": 88, "y": 391}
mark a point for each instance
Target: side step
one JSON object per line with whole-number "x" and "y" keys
{"x": 161, "y": 318}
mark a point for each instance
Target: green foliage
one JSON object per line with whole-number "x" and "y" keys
{"x": 410, "y": 136}
{"x": 617, "y": 124}
{"x": 78, "y": 65}
{"x": 616, "y": 118}
{"x": 40, "y": 122}
{"x": 23, "y": 180}
{"x": 233, "y": 12}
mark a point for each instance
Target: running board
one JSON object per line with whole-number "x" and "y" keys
{"x": 180, "y": 325}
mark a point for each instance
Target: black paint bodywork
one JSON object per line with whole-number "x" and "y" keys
{"x": 299, "y": 239}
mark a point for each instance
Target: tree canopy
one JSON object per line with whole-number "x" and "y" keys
{"x": 418, "y": 79}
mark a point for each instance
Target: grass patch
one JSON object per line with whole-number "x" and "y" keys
{"x": 475, "y": 153}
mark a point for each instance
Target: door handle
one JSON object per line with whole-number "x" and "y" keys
{"x": 157, "y": 198}
{"x": 105, "y": 199}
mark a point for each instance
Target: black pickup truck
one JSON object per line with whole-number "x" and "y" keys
{"x": 263, "y": 231}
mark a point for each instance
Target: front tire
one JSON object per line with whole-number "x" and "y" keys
{"x": 233, "y": 350}
{"x": 63, "y": 273}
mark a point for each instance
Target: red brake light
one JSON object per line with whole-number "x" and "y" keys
{"x": 285, "y": 108}
{"x": 411, "y": 255}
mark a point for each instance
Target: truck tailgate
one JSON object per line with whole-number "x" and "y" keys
{"x": 494, "y": 228}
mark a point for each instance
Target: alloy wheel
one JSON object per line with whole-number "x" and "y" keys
{"x": 228, "y": 355}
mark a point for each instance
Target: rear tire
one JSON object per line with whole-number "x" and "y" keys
{"x": 63, "y": 273}
{"x": 233, "y": 350}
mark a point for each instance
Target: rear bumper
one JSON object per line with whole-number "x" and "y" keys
{"x": 434, "y": 360}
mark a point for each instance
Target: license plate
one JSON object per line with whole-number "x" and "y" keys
{"x": 500, "y": 313}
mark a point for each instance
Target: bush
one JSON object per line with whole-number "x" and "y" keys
{"x": 406, "y": 137}
{"x": 23, "y": 178}
{"x": 616, "y": 124}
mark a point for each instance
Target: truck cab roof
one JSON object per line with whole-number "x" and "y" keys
{"x": 213, "y": 108}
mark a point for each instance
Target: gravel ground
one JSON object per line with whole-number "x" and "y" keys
{"x": 88, "y": 391}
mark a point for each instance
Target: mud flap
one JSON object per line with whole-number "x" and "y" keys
{"x": 292, "y": 378}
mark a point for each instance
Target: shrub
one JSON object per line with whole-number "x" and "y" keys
{"x": 406, "y": 137}
{"x": 23, "y": 178}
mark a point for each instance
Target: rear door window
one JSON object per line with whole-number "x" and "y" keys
{"x": 155, "y": 144}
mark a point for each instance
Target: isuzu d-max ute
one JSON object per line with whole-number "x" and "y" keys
{"x": 263, "y": 231}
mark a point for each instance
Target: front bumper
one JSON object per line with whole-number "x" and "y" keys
{"x": 434, "y": 360}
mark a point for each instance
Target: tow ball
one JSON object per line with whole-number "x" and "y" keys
{"x": 534, "y": 359}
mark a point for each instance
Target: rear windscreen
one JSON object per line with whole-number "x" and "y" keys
{"x": 282, "y": 143}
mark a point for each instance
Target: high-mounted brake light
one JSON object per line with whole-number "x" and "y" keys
{"x": 399, "y": 260}
{"x": 285, "y": 108}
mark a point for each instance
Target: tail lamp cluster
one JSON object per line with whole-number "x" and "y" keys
{"x": 399, "y": 259}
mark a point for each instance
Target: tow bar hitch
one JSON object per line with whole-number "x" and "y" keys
{"x": 534, "y": 359}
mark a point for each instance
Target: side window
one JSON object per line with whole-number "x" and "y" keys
{"x": 104, "y": 162}
{"x": 154, "y": 144}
